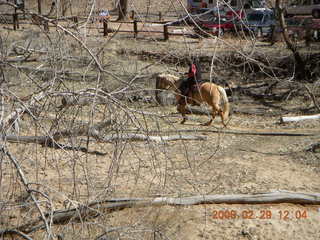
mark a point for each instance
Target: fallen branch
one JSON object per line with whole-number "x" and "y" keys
{"x": 299, "y": 118}
{"x": 206, "y": 111}
{"x": 84, "y": 129}
{"x": 82, "y": 100}
{"x": 142, "y": 137}
{"x": 95, "y": 209}
{"x": 51, "y": 141}
{"x": 27, "y": 188}
{"x": 20, "y": 111}
{"x": 51, "y": 72}
{"x": 14, "y": 232}
{"x": 271, "y": 133}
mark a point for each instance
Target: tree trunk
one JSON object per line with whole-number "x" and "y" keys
{"x": 39, "y": 7}
{"x": 65, "y": 5}
{"x": 122, "y": 9}
{"x": 300, "y": 63}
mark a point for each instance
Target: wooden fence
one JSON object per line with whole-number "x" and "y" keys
{"x": 136, "y": 31}
{"x": 105, "y": 24}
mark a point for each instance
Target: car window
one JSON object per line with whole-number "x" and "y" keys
{"x": 296, "y": 2}
{"x": 255, "y": 17}
{"x": 306, "y": 2}
{"x": 256, "y": 4}
{"x": 233, "y": 3}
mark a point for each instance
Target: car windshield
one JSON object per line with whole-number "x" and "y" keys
{"x": 257, "y": 4}
{"x": 255, "y": 17}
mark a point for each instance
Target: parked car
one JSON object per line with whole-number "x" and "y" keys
{"x": 303, "y": 7}
{"x": 260, "y": 22}
{"x": 216, "y": 27}
{"x": 235, "y": 14}
{"x": 201, "y": 15}
{"x": 299, "y": 28}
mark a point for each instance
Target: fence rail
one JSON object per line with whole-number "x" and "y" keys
{"x": 105, "y": 24}
{"x": 136, "y": 31}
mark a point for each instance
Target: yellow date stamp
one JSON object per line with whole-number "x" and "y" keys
{"x": 259, "y": 214}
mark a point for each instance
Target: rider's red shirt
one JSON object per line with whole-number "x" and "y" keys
{"x": 192, "y": 71}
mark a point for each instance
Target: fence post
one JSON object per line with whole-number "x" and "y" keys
{"x": 17, "y": 17}
{"x": 160, "y": 16}
{"x": 308, "y": 37}
{"x": 75, "y": 19}
{"x": 105, "y": 27}
{"x": 15, "y": 21}
{"x": 45, "y": 25}
{"x": 165, "y": 32}
{"x": 132, "y": 14}
{"x": 135, "y": 28}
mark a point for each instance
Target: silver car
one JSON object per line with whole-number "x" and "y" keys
{"x": 303, "y": 7}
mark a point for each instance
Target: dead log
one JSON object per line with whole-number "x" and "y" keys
{"x": 299, "y": 118}
{"x": 84, "y": 129}
{"x": 67, "y": 101}
{"x": 272, "y": 132}
{"x": 26, "y": 184}
{"x": 206, "y": 111}
{"x": 46, "y": 141}
{"x": 142, "y": 137}
{"x": 50, "y": 73}
{"x": 94, "y": 209}
{"x": 14, "y": 232}
{"x": 20, "y": 59}
{"x": 19, "y": 112}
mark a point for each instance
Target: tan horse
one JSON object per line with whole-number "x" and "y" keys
{"x": 207, "y": 92}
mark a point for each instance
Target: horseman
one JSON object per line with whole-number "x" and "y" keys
{"x": 194, "y": 78}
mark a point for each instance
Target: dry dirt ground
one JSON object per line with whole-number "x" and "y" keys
{"x": 222, "y": 164}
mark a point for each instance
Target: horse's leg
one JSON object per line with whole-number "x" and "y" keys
{"x": 213, "y": 115}
{"x": 220, "y": 112}
{"x": 182, "y": 109}
{"x": 222, "y": 118}
{"x": 215, "y": 109}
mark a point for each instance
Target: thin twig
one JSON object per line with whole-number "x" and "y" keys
{"x": 26, "y": 185}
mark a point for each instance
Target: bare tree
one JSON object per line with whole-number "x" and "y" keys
{"x": 302, "y": 72}
{"x": 122, "y": 9}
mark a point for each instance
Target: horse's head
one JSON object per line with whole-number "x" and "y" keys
{"x": 168, "y": 82}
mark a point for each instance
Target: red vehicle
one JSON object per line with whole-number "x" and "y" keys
{"x": 217, "y": 27}
{"x": 238, "y": 15}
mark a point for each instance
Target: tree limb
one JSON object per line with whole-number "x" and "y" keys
{"x": 142, "y": 137}
{"x": 13, "y": 232}
{"x": 26, "y": 185}
{"x": 94, "y": 209}
{"x": 299, "y": 118}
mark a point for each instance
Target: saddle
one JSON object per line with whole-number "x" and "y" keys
{"x": 193, "y": 89}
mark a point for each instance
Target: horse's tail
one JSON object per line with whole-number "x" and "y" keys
{"x": 226, "y": 106}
